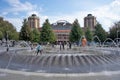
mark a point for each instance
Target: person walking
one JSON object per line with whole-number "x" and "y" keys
{"x": 70, "y": 45}
{"x": 63, "y": 45}
{"x": 39, "y": 49}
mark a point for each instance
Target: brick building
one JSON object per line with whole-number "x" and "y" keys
{"x": 34, "y": 21}
{"x": 62, "y": 30}
{"x": 90, "y": 21}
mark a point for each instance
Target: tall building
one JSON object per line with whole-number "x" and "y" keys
{"x": 33, "y": 21}
{"x": 62, "y": 30}
{"x": 90, "y": 21}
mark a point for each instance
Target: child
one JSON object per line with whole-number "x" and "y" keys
{"x": 39, "y": 49}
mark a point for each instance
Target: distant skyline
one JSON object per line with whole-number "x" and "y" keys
{"x": 106, "y": 11}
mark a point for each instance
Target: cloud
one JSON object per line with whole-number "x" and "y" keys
{"x": 17, "y": 6}
{"x": 17, "y": 22}
{"x": 106, "y": 15}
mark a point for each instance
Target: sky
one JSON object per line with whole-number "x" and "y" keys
{"x": 107, "y": 12}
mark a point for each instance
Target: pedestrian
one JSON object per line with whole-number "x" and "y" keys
{"x": 84, "y": 41}
{"x": 7, "y": 48}
{"x": 39, "y": 49}
{"x": 63, "y": 45}
{"x": 70, "y": 45}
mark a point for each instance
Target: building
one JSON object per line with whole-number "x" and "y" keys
{"x": 62, "y": 30}
{"x": 33, "y": 21}
{"x": 90, "y": 21}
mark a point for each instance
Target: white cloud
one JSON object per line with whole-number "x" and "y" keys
{"x": 17, "y": 22}
{"x": 17, "y": 6}
{"x": 106, "y": 15}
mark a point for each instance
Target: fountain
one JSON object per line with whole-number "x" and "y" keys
{"x": 84, "y": 60}
{"x": 113, "y": 43}
{"x": 70, "y": 62}
{"x": 96, "y": 37}
{"x": 117, "y": 40}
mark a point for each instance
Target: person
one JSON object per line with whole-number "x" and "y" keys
{"x": 70, "y": 45}
{"x": 39, "y": 49}
{"x": 84, "y": 42}
{"x": 63, "y": 45}
{"x": 7, "y": 48}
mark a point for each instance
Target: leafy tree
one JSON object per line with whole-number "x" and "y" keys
{"x": 115, "y": 30}
{"x": 25, "y": 33}
{"x": 47, "y": 34}
{"x": 76, "y": 32}
{"x": 100, "y": 32}
{"x": 89, "y": 35}
{"x": 35, "y": 35}
{"x": 9, "y": 30}
{"x": 1, "y": 35}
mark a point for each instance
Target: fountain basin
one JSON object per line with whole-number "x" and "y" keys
{"x": 84, "y": 61}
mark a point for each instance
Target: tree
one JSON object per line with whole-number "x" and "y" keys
{"x": 76, "y": 32}
{"x": 100, "y": 32}
{"x": 47, "y": 34}
{"x": 89, "y": 35}
{"x": 114, "y": 31}
{"x": 25, "y": 32}
{"x": 14, "y": 35}
{"x": 35, "y": 35}
{"x": 1, "y": 35}
{"x": 8, "y": 30}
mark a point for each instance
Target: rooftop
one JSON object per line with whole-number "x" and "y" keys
{"x": 61, "y": 25}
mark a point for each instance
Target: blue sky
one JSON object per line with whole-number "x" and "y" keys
{"x": 106, "y": 11}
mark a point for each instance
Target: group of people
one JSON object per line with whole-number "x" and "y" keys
{"x": 39, "y": 48}
{"x": 62, "y": 45}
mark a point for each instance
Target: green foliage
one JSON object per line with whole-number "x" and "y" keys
{"x": 47, "y": 34}
{"x": 115, "y": 30}
{"x": 1, "y": 35}
{"x": 25, "y": 33}
{"x": 100, "y": 32}
{"x": 14, "y": 35}
{"x": 35, "y": 35}
{"x": 9, "y": 30}
{"x": 89, "y": 35}
{"x": 76, "y": 32}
